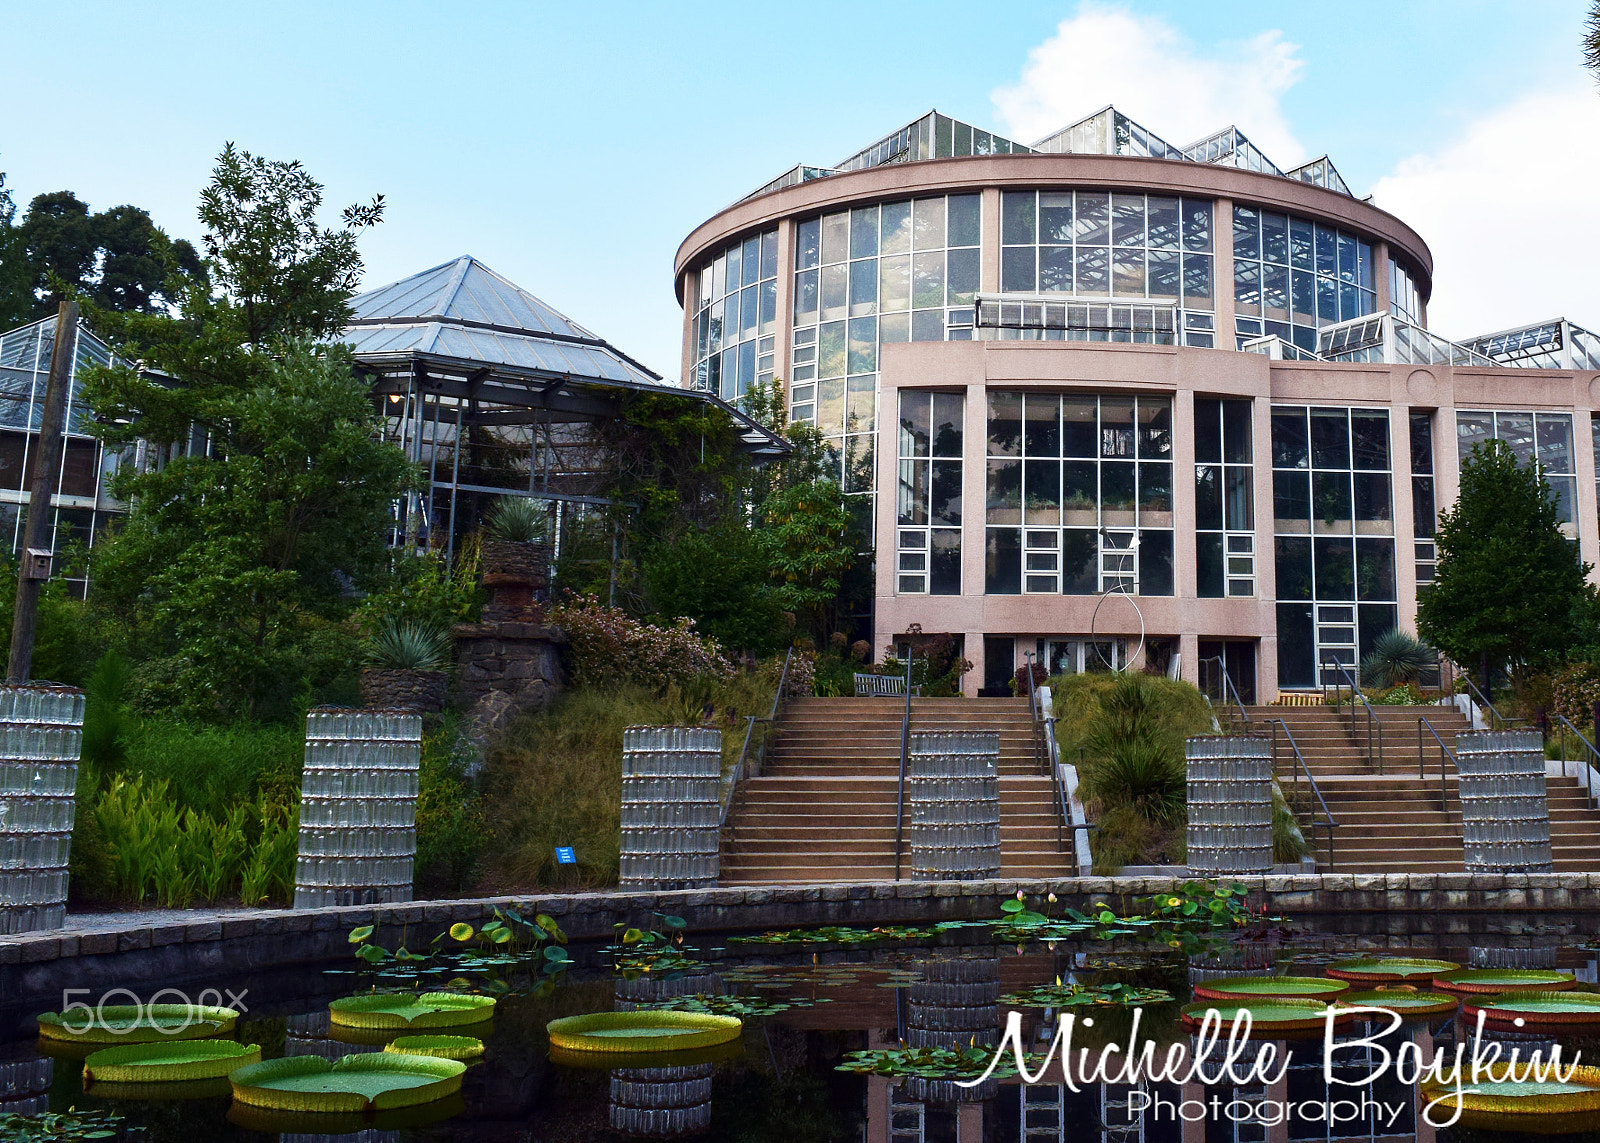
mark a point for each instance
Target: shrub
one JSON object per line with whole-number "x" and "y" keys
{"x": 1396, "y": 658}
{"x": 1141, "y": 775}
{"x": 608, "y": 648}
{"x": 423, "y": 590}
{"x": 408, "y": 646}
{"x": 517, "y": 520}
{"x": 213, "y": 768}
{"x": 1574, "y": 691}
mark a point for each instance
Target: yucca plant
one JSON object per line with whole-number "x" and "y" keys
{"x": 401, "y": 646}
{"x": 1141, "y": 775}
{"x": 517, "y": 520}
{"x": 1396, "y": 658}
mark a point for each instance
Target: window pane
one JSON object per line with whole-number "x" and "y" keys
{"x": 927, "y": 280}
{"x": 1294, "y": 567}
{"x": 927, "y": 223}
{"x": 1079, "y": 435}
{"x": 1127, "y": 273}
{"x": 1155, "y": 562}
{"x": 1155, "y": 428}
{"x": 1003, "y": 498}
{"x": 831, "y": 349}
{"x": 1042, "y": 426}
{"x": 1369, "y": 437}
{"x": 945, "y": 565}
{"x": 1003, "y": 561}
{"x": 1080, "y": 555}
{"x": 1055, "y": 269}
{"x": 1236, "y": 431}
{"x": 1208, "y": 560}
{"x": 864, "y": 232}
{"x": 1055, "y": 217}
{"x": 1094, "y": 219}
{"x": 1018, "y": 274}
{"x": 1555, "y": 441}
{"x": 835, "y": 291}
{"x": 1005, "y": 423}
{"x": 1163, "y": 223}
{"x": 1017, "y": 220}
{"x": 1422, "y": 510}
{"x": 808, "y": 243}
{"x": 1246, "y": 233}
{"x": 1080, "y": 492}
{"x": 1239, "y": 499}
{"x": 1422, "y": 443}
{"x": 944, "y": 505}
{"x": 1207, "y": 430}
{"x": 805, "y": 297}
{"x": 863, "y": 287}
{"x": 1127, "y": 220}
{"x": 1372, "y": 496}
{"x": 1331, "y": 498}
{"x": 916, "y": 434}
{"x": 1155, "y": 492}
{"x": 947, "y": 427}
{"x": 1330, "y": 439}
{"x": 1197, "y": 225}
{"x": 1291, "y": 501}
{"x": 835, "y": 238}
{"x": 1375, "y": 569}
{"x": 1116, "y": 486}
{"x": 863, "y": 345}
{"x": 896, "y": 226}
{"x": 1335, "y": 567}
{"x": 1297, "y": 661}
{"x": 913, "y": 499}
{"x": 1116, "y": 427}
{"x": 1042, "y": 490}
{"x": 1093, "y": 271}
{"x": 1208, "y": 497}
{"x": 894, "y": 282}
{"x": 1275, "y": 238}
{"x": 964, "y": 216}
{"x": 962, "y": 282}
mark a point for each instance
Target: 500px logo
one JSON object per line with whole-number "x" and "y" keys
{"x": 170, "y": 1011}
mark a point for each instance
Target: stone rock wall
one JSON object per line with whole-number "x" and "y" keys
{"x": 503, "y": 670}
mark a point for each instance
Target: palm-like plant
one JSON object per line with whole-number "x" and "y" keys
{"x": 400, "y": 646}
{"x": 517, "y": 520}
{"x": 1396, "y": 658}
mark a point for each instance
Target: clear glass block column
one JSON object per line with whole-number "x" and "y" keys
{"x": 358, "y": 807}
{"x": 41, "y": 734}
{"x": 953, "y": 805}
{"x": 1505, "y": 811}
{"x": 1230, "y": 804}
{"x": 671, "y": 807}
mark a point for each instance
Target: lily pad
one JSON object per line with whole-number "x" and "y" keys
{"x": 444, "y": 1047}
{"x": 1531, "y": 1008}
{"x": 168, "y": 1063}
{"x": 1490, "y": 981}
{"x": 133, "y": 1024}
{"x": 368, "y": 1081}
{"x": 1381, "y": 970}
{"x": 1313, "y": 987}
{"x": 1552, "y": 1108}
{"x": 644, "y": 1030}
{"x": 1407, "y": 1003}
{"x": 410, "y": 1010}
{"x": 1269, "y": 1016}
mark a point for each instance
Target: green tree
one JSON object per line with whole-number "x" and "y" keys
{"x": 1510, "y": 591}
{"x": 16, "y": 296}
{"x": 238, "y": 553}
{"x": 805, "y": 534}
{"x": 718, "y": 578}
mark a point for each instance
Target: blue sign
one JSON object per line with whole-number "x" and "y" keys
{"x": 565, "y": 856}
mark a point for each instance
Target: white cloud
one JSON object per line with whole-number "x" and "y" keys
{"x": 1508, "y": 208}
{"x": 1144, "y": 66}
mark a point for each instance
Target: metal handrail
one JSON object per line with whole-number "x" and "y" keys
{"x": 749, "y": 730}
{"x": 1227, "y": 686}
{"x": 1329, "y": 823}
{"x": 1374, "y": 723}
{"x": 900, "y": 795}
{"x": 1041, "y": 752}
{"x": 1588, "y": 770}
{"x": 1444, "y": 752}
{"x": 1496, "y": 719}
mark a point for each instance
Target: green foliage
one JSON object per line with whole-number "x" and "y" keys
{"x": 107, "y": 722}
{"x": 1141, "y": 775}
{"x": 657, "y": 952}
{"x": 743, "y": 1007}
{"x": 175, "y": 856}
{"x": 399, "y": 645}
{"x": 16, "y": 293}
{"x": 67, "y": 638}
{"x": 1060, "y": 995}
{"x": 608, "y": 647}
{"x": 1397, "y": 657}
{"x": 508, "y": 941}
{"x": 1510, "y": 588}
{"x": 451, "y": 831}
{"x": 929, "y": 1063}
{"x": 211, "y": 769}
{"x": 422, "y": 590}
{"x": 60, "y": 1126}
{"x": 718, "y": 578}
{"x": 517, "y": 519}
{"x": 807, "y": 539}
{"x": 555, "y": 777}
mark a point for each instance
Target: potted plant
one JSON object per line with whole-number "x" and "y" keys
{"x": 405, "y": 667}
{"x": 516, "y": 558}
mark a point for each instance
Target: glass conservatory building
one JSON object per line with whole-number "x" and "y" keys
{"x": 1109, "y": 400}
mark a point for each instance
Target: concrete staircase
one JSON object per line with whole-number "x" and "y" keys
{"x": 1392, "y": 821}
{"x": 824, "y": 808}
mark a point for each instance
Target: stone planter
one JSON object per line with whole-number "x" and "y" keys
{"x": 421, "y": 691}
{"x": 517, "y": 576}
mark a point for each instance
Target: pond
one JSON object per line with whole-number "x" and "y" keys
{"x": 808, "y": 1006}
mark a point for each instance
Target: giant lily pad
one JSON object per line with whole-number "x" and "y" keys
{"x": 369, "y": 1081}
{"x": 1388, "y": 969}
{"x": 651, "y": 1030}
{"x": 1305, "y": 987}
{"x": 1269, "y": 1016}
{"x": 1551, "y": 1108}
{"x": 410, "y": 1010}
{"x": 1536, "y": 1009}
{"x": 133, "y": 1024}
{"x": 444, "y": 1047}
{"x": 1490, "y": 981}
{"x": 1408, "y": 1003}
{"x": 168, "y": 1063}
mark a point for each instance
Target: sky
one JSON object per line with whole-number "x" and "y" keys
{"x": 573, "y": 147}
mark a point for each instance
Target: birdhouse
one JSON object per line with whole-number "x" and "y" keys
{"x": 36, "y": 564}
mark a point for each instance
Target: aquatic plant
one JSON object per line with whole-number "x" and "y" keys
{"x": 652, "y": 952}
{"x": 742, "y": 1006}
{"x": 928, "y": 1063}
{"x": 495, "y": 957}
{"x": 1070, "y": 995}
{"x": 60, "y": 1126}
{"x": 840, "y": 935}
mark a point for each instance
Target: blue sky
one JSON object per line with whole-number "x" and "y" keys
{"x": 572, "y": 147}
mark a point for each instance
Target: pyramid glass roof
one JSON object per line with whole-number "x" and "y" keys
{"x": 1108, "y": 132}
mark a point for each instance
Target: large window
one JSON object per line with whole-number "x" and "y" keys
{"x": 1333, "y": 516}
{"x": 1102, "y": 245}
{"x": 1224, "y": 495}
{"x": 863, "y": 278}
{"x": 1292, "y": 275}
{"x": 1423, "y": 506}
{"x": 1545, "y": 438}
{"x": 928, "y": 531}
{"x": 736, "y": 317}
{"x": 1404, "y": 298}
{"x": 1079, "y": 494}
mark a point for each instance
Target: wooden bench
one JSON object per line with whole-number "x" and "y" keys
{"x": 879, "y": 686}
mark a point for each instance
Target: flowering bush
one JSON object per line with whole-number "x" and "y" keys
{"x": 1575, "y": 690}
{"x": 606, "y": 646}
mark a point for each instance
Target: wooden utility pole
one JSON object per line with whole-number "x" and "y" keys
{"x": 44, "y": 471}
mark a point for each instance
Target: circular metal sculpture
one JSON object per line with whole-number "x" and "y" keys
{"x": 1270, "y": 1017}
{"x": 1406, "y": 1003}
{"x": 1388, "y": 970}
{"x": 1490, "y": 981}
{"x": 407, "y": 1010}
{"x": 133, "y": 1024}
{"x": 1244, "y": 987}
{"x": 370, "y": 1081}
{"x": 183, "y": 1060}
{"x": 645, "y": 1030}
{"x": 1536, "y": 1009}
{"x": 445, "y": 1047}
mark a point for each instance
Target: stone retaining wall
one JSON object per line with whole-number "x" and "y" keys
{"x": 196, "y": 944}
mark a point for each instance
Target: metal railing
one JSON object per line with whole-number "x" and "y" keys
{"x": 1444, "y": 752}
{"x": 900, "y": 795}
{"x": 1227, "y": 688}
{"x": 1497, "y": 721}
{"x": 743, "y": 763}
{"x": 1588, "y": 766}
{"x": 1041, "y": 752}
{"x": 1374, "y": 723}
{"x": 1328, "y": 822}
